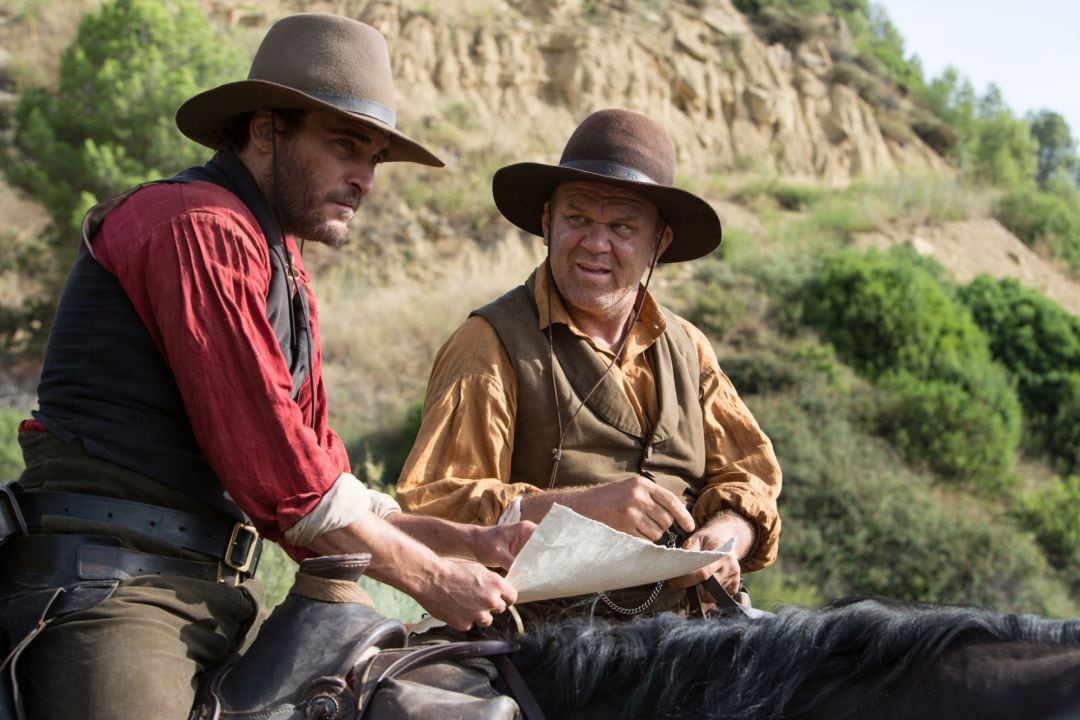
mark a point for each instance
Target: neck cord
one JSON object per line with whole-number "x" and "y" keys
{"x": 556, "y": 452}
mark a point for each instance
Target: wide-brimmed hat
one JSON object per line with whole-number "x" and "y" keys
{"x": 310, "y": 61}
{"x": 621, "y": 148}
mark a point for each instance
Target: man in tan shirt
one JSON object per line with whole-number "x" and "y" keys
{"x": 578, "y": 388}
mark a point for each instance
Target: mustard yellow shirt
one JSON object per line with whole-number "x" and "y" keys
{"x": 460, "y": 465}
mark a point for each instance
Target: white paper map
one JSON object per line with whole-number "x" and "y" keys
{"x": 570, "y": 554}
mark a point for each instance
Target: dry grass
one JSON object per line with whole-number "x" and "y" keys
{"x": 36, "y": 32}
{"x": 379, "y": 339}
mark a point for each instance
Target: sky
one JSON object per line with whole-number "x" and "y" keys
{"x": 1030, "y": 50}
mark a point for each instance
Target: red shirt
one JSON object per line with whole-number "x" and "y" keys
{"x": 195, "y": 264}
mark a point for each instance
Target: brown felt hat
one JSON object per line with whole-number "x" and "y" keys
{"x": 310, "y": 61}
{"x": 621, "y": 148}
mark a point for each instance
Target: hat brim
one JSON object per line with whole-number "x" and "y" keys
{"x": 520, "y": 191}
{"x": 202, "y": 117}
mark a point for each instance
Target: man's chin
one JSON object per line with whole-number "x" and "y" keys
{"x": 330, "y": 235}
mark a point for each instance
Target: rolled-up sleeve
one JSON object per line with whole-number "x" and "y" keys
{"x": 461, "y": 459}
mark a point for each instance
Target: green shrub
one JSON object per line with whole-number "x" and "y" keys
{"x": 11, "y": 459}
{"x": 947, "y": 405}
{"x": 797, "y": 197}
{"x": 891, "y": 312}
{"x": 110, "y": 124}
{"x": 857, "y": 521}
{"x": 1051, "y": 514}
{"x": 937, "y": 133}
{"x": 1038, "y": 342}
{"x": 787, "y": 26}
{"x": 969, "y": 433}
{"x": 1046, "y": 219}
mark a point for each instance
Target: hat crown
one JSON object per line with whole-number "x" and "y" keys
{"x": 334, "y": 58}
{"x": 625, "y": 139}
{"x": 310, "y": 61}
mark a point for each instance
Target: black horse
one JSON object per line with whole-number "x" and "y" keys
{"x": 323, "y": 654}
{"x": 865, "y": 659}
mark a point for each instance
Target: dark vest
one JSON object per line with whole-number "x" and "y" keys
{"x": 606, "y": 441}
{"x": 106, "y": 384}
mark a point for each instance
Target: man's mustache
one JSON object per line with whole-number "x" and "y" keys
{"x": 352, "y": 199}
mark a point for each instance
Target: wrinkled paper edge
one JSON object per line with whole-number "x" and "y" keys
{"x": 570, "y": 554}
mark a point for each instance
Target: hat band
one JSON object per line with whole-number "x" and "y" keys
{"x": 603, "y": 167}
{"x": 361, "y": 107}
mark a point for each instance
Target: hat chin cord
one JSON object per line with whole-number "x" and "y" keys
{"x": 556, "y": 452}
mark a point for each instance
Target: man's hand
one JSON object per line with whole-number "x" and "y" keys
{"x": 636, "y": 506}
{"x": 497, "y": 546}
{"x": 463, "y": 593}
{"x": 712, "y": 536}
{"x": 726, "y": 569}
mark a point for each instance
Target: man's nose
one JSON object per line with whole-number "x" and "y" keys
{"x": 362, "y": 177}
{"x": 597, "y": 238}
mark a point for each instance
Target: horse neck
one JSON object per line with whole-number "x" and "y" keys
{"x": 990, "y": 681}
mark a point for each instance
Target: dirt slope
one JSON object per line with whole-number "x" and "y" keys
{"x": 970, "y": 247}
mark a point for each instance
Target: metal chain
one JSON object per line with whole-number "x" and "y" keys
{"x": 672, "y": 542}
{"x": 636, "y": 610}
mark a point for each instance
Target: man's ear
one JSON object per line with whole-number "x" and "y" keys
{"x": 665, "y": 240}
{"x": 262, "y": 130}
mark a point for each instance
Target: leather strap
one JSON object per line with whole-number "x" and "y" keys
{"x": 497, "y": 650}
{"x": 530, "y": 708}
{"x": 725, "y": 603}
{"x": 29, "y": 562}
{"x": 236, "y": 543}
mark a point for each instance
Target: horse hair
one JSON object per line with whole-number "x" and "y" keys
{"x": 672, "y": 667}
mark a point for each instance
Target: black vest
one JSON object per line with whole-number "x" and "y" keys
{"x": 106, "y": 384}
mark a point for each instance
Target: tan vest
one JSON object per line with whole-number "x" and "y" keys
{"x": 606, "y": 442}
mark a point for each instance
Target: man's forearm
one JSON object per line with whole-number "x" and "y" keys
{"x": 534, "y": 506}
{"x": 444, "y": 536}
{"x": 728, "y": 523}
{"x": 396, "y": 558}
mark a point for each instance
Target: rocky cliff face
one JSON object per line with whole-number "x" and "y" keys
{"x": 528, "y": 70}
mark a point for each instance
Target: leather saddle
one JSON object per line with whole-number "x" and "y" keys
{"x": 324, "y": 654}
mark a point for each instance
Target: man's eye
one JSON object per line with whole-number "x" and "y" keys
{"x": 346, "y": 143}
{"x": 621, "y": 229}
{"x": 576, "y": 219}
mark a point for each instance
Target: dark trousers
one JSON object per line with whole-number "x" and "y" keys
{"x": 137, "y": 653}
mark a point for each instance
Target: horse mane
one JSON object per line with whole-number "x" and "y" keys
{"x": 671, "y": 667}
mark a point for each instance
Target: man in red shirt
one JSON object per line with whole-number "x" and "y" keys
{"x": 182, "y": 412}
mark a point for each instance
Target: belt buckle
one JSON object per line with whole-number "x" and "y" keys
{"x": 11, "y": 517}
{"x": 240, "y": 532}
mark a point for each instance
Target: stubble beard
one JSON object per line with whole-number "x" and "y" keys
{"x": 299, "y": 209}
{"x": 598, "y": 301}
